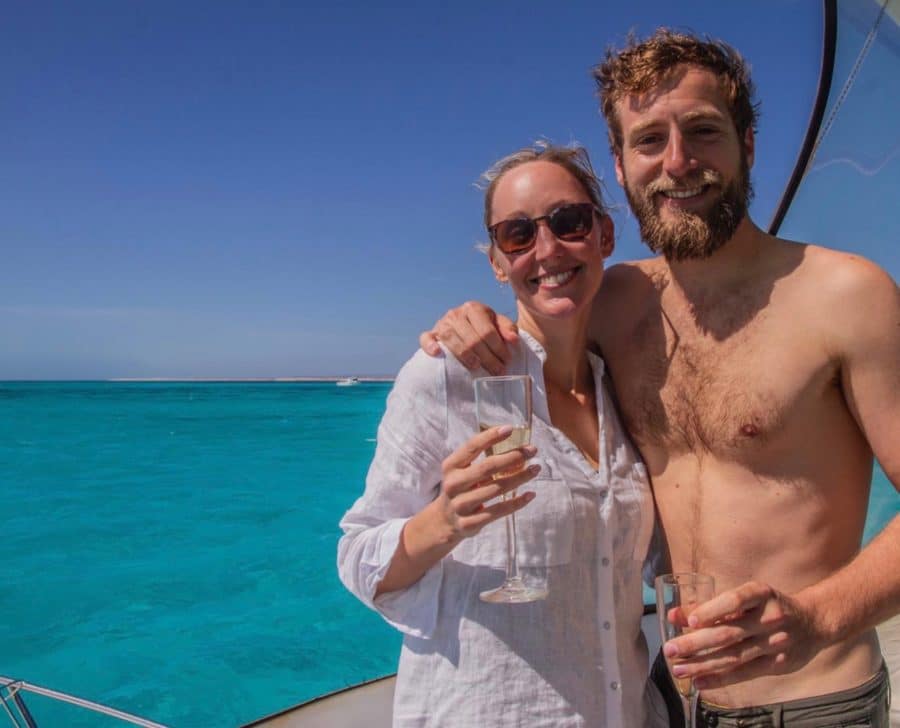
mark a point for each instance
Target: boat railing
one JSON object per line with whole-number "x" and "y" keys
{"x": 12, "y": 701}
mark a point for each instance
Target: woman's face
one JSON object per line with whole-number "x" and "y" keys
{"x": 554, "y": 278}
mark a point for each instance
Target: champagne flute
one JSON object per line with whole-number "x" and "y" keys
{"x": 677, "y": 595}
{"x": 507, "y": 401}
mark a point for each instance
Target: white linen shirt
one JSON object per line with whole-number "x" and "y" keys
{"x": 577, "y": 658}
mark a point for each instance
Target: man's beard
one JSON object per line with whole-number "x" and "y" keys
{"x": 693, "y": 235}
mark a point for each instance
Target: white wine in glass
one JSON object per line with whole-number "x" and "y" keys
{"x": 677, "y": 595}
{"x": 507, "y": 401}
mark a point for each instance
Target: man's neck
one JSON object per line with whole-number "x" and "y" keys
{"x": 740, "y": 260}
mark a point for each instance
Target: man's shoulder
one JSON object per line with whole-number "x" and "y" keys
{"x": 845, "y": 297}
{"x": 629, "y": 291}
{"x": 838, "y": 274}
{"x": 631, "y": 278}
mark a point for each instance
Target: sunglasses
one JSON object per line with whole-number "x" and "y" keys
{"x": 567, "y": 222}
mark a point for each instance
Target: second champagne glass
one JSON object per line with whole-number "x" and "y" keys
{"x": 677, "y": 595}
{"x": 507, "y": 401}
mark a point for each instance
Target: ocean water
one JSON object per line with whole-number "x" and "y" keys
{"x": 169, "y": 549}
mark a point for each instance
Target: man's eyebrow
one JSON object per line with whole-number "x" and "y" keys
{"x": 704, "y": 115}
{"x": 643, "y": 126}
{"x": 689, "y": 116}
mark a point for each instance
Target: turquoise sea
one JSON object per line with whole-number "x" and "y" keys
{"x": 169, "y": 549}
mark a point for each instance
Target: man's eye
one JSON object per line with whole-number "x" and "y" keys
{"x": 648, "y": 140}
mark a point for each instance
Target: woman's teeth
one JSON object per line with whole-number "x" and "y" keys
{"x": 556, "y": 279}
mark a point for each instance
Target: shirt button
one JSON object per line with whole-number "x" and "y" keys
{"x": 606, "y": 625}
{"x": 604, "y": 561}
{"x": 614, "y": 685}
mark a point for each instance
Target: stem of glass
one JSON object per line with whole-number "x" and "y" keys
{"x": 690, "y": 708}
{"x": 512, "y": 563}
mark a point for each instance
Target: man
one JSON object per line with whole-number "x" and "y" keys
{"x": 757, "y": 376}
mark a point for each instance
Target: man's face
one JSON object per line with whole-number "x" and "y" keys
{"x": 685, "y": 172}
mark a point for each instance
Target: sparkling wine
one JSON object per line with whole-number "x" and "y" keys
{"x": 683, "y": 685}
{"x": 520, "y": 436}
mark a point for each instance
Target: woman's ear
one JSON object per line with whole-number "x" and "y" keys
{"x": 499, "y": 273}
{"x": 607, "y": 236}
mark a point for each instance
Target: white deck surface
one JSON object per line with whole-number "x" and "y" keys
{"x": 369, "y": 706}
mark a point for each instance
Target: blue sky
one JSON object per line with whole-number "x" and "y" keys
{"x": 272, "y": 189}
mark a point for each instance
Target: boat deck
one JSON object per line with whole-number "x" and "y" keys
{"x": 369, "y": 705}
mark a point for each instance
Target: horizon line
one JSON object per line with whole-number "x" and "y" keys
{"x": 331, "y": 378}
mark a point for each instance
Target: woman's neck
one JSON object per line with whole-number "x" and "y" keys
{"x": 566, "y": 367}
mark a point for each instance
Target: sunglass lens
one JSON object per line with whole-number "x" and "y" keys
{"x": 571, "y": 221}
{"x": 514, "y": 235}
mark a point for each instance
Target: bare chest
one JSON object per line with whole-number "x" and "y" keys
{"x": 686, "y": 389}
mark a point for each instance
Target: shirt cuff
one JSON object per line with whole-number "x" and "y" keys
{"x": 412, "y": 610}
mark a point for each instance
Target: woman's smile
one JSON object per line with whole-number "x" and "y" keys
{"x": 557, "y": 278}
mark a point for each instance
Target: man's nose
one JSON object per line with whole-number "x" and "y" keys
{"x": 677, "y": 159}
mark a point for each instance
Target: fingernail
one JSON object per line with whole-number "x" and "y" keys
{"x": 529, "y": 450}
{"x": 693, "y": 621}
{"x": 529, "y": 496}
{"x": 670, "y": 650}
{"x": 534, "y": 469}
{"x": 504, "y": 430}
{"x": 700, "y": 683}
{"x": 679, "y": 670}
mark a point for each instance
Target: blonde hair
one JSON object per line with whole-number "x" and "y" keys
{"x": 574, "y": 159}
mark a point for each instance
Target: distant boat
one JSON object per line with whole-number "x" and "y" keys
{"x": 347, "y": 381}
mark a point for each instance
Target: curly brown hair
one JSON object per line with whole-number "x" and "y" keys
{"x": 642, "y": 65}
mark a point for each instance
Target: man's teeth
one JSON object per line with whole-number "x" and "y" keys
{"x": 556, "y": 279}
{"x": 683, "y": 194}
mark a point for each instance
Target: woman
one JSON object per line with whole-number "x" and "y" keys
{"x": 427, "y": 537}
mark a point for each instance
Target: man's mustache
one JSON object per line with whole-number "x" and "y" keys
{"x": 705, "y": 177}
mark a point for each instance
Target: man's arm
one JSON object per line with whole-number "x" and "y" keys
{"x": 475, "y": 335}
{"x": 755, "y": 630}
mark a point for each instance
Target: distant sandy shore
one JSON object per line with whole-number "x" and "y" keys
{"x": 245, "y": 379}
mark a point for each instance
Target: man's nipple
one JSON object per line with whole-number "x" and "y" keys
{"x": 749, "y": 430}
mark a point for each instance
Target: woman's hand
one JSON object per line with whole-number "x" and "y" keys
{"x": 467, "y": 485}
{"x": 461, "y": 509}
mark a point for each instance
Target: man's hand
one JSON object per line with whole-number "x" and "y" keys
{"x": 475, "y": 335}
{"x": 744, "y": 633}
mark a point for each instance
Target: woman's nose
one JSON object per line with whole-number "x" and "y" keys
{"x": 546, "y": 243}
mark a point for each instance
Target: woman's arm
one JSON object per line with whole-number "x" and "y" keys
{"x": 412, "y": 513}
{"x": 460, "y": 510}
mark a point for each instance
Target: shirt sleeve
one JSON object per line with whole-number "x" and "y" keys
{"x": 403, "y": 478}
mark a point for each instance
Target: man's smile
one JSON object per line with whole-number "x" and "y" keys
{"x": 684, "y": 194}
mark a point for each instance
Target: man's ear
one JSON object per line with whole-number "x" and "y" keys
{"x": 749, "y": 146}
{"x": 620, "y": 175}
{"x": 607, "y": 236}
